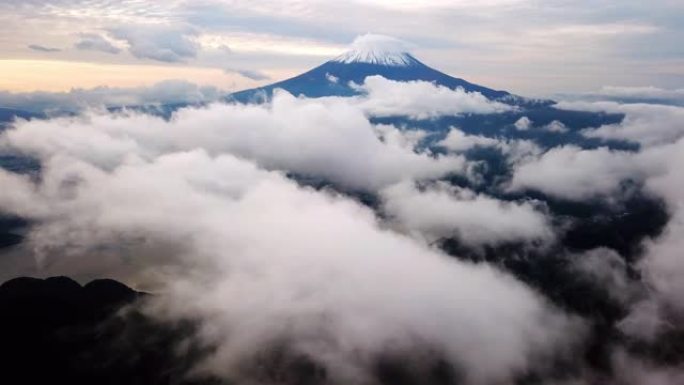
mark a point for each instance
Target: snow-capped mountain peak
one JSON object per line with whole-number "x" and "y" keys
{"x": 378, "y": 49}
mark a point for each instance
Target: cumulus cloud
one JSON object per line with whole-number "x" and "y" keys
{"x": 95, "y": 42}
{"x": 265, "y": 264}
{"x": 331, "y": 141}
{"x": 523, "y": 123}
{"x": 570, "y": 172}
{"x": 159, "y": 42}
{"x": 41, "y": 48}
{"x": 421, "y": 100}
{"x": 442, "y": 211}
{"x": 75, "y": 100}
{"x": 457, "y": 140}
{"x": 555, "y": 126}
{"x": 404, "y": 138}
{"x": 244, "y": 237}
{"x": 647, "y": 124}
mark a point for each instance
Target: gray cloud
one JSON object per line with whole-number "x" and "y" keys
{"x": 249, "y": 74}
{"x": 41, "y": 48}
{"x": 95, "y": 42}
{"x": 165, "y": 43}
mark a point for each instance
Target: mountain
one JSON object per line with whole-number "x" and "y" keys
{"x": 372, "y": 55}
{"x": 387, "y": 57}
{"x": 56, "y": 331}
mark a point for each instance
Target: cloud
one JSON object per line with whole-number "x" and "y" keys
{"x": 331, "y": 78}
{"x": 163, "y": 43}
{"x": 379, "y": 49}
{"x": 523, "y": 123}
{"x": 408, "y": 139}
{"x": 41, "y": 48}
{"x": 647, "y": 124}
{"x": 75, "y": 100}
{"x": 440, "y": 211}
{"x": 631, "y": 370}
{"x": 608, "y": 270}
{"x": 644, "y": 95}
{"x": 640, "y": 93}
{"x": 330, "y": 141}
{"x": 457, "y": 140}
{"x": 662, "y": 266}
{"x": 95, "y": 42}
{"x": 421, "y": 100}
{"x": 555, "y": 126}
{"x": 570, "y": 172}
{"x": 521, "y": 38}
{"x": 370, "y": 42}
{"x": 249, "y": 74}
{"x": 263, "y": 263}
{"x": 515, "y": 150}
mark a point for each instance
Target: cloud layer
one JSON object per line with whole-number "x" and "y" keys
{"x": 248, "y": 219}
{"x": 198, "y": 204}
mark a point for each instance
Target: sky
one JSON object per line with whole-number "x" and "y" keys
{"x": 216, "y": 208}
{"x": 525, "y": 46}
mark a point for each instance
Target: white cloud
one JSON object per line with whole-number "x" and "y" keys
{"x": 405, "y": 138}
{"x": 260, "y": 260}
{"x": 650, "y": 93}
{"x": 333, "y": 141}
{"x": 457, "y": 140}
{"x": 523, "y": 123}
{"x": 608, "y": 270}
{"x": 422, "y": 100}
{"x": 441, "y": 211}
{"x": 331, "y": 78}
{"x": 42, "y": 48}
{"x": 570, "y": 172}
{"x": 647, "y": 124}
{"x": 555, "y": 126}
{"x": 662, "y": 266}
{"x": 515, "y": 150}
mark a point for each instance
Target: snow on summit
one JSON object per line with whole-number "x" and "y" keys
{"x": 377, "y": 49}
